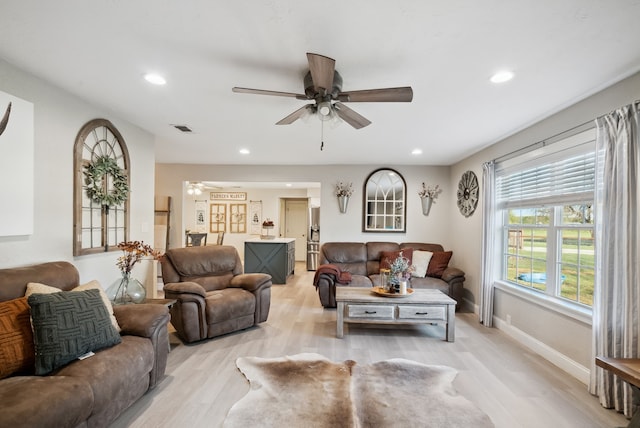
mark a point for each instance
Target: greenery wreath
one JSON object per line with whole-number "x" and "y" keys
{"x": 94, "y": 174}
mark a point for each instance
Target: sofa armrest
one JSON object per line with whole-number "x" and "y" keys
{"x": 186, "y": 288}
{"x": 326, "y": 286}
{"x": 141, "y": 320}
{"x": 455, "y": 278}
{"x": 451, "y": 273}
{"x": 251, "y": 281}
{"x": 150, "y": 321}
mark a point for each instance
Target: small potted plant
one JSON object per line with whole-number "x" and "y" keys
{"x": 267, "y": 225}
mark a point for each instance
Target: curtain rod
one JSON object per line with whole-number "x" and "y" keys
{"x": 553, "y": 139}
{"x": 548, "y": 141}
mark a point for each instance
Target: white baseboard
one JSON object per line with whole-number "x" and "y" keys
{"x": 576, "y": 370}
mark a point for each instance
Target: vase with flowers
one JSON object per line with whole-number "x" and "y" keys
{"x": 126, "y": 289}
{"x": 343, "y": 193}
{"x": 400, "y": 273}
{"x": 428, "y": 195}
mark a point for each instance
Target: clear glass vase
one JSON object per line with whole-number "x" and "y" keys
{"x": 126, "y": 290}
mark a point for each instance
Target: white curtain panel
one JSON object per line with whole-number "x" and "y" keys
{"x": 616, "y": 292}
{"x": 488, "y": 242}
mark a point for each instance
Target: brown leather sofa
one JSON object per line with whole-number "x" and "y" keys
{"x": 362, "y": 260}
{"x": 92, "y": 392}
{"x": 214, "y": 296}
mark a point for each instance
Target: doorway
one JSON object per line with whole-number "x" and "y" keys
{"x": 295, "y": 223}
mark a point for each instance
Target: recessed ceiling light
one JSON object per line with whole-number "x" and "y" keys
{"x": 244, "y": 151}
{"x": 502, "y": 76}
{"x": 416, "y": 152}
{"x": 155, "y": 79}
{"x": 288, "y": 184}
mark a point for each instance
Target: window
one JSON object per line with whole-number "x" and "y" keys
{"x": 99, "y": 228}
{"x": 545, "y": 199}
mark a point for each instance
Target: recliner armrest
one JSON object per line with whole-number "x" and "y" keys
{"x": 141, "y": 320}
{"x": 251, "y": 281}
{"x": 185, "y": 287}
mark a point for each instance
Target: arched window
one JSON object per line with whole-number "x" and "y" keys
{"x": 101, "y": 170}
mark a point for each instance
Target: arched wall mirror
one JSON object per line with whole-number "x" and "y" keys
{"x": 385, "y": 194}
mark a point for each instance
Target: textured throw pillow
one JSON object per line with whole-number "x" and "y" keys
{"x": 439, "y": 262}
{"x": 35, "y": 287}
{"x": 387, "y": 257}
{"x": 69, "y": 324}
{"x": 421, "y": 261}
{"x": 16, "y": 338}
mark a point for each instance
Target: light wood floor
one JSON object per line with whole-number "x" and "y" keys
{"x": 514, "y": 386}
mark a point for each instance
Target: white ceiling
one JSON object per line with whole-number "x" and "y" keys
{"x": 560, "y": 50}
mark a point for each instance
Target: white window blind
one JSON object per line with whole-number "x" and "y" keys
{"x": 561, "y": 176}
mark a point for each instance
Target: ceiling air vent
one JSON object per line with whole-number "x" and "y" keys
{"x": 183, "y": 128}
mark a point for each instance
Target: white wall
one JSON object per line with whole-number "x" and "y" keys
{"x": 564, "y": 338}
{"x": 334, "y": 226}
{"x": 58, "y": 116}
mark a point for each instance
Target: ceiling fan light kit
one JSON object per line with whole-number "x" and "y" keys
{"x": 323, "y": 85}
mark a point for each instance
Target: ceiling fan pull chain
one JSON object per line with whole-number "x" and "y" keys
{"x": 321, "y": 135}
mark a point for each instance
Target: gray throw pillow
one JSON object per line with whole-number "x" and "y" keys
{"x": 67, "y": 325}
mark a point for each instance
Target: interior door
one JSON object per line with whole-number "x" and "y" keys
{"x": 296, "y": 225}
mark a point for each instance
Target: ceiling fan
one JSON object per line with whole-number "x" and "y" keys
{"x": 323, "y": 85}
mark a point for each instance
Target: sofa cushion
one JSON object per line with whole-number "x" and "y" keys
{"x": 36, "y": 287}
{"x": 439, "y": 262}
{"x": 229, "y": 304}
{"x": 48, "y": 401}
{"x": 421, "y": 261}
{"x": 348, "y": 256}
{"x": 117, "y": 376}
{"x": 67, "y": 325}
{"x": 16, "y": 338}
{"x": 387, "y": 257}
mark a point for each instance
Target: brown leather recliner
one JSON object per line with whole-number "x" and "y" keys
{"x": 214, "y": 296}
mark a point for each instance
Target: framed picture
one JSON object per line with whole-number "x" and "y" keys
{"x": 217, "y": 218}
{"x": 238, "y": 218}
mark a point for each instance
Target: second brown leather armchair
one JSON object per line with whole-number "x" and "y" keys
{"x": 214, "y": 296}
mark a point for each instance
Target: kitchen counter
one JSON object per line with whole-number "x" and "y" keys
{"x": 277, "y": 257}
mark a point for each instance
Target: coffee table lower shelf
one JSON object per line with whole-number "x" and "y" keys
{"x": 361, "y": 305}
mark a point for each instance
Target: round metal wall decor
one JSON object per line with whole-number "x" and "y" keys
{"x": 468, "y": 191}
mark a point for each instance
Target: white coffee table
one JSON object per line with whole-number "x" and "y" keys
{"x": 362, "y": 305}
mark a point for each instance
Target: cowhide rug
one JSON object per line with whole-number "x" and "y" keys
{"x": 308, "y": 390}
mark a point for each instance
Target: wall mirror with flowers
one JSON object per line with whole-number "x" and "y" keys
{"x": 384, "y": 205}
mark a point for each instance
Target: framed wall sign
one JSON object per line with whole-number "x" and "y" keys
{"x": 228, "y": 196}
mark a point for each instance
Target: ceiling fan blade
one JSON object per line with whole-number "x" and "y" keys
{"x": 350, "y": 116}
{"x": 403, "y": 94}
{"x": 265, "y": 92}
{"x": 321, "y": 68}
{"x": 295, "y": 115}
